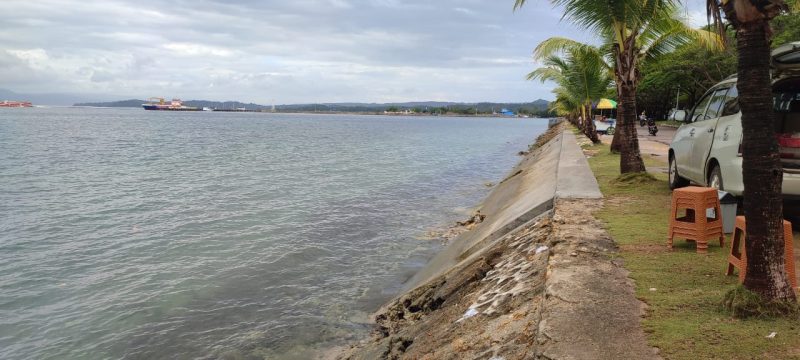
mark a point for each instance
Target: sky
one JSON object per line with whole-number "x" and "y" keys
{"x": 281, "y": 52}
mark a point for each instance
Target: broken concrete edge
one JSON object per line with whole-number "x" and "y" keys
{"x": 550, "y": 289}
{"x": 576, "y": 293}
{"x": 590, "y": 309}
{"x": 527, "y": 191}
{"x": 556, "y": 167}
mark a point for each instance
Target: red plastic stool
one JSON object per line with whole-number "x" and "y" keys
{"x": 738, "y": 257}
{"x": 695, "y": 226}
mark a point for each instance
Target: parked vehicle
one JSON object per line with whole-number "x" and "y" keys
{"x": 707, "y": 149}
{"x": 605, "y": 127}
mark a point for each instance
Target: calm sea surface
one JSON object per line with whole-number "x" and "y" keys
{"x": 148, "y": 235}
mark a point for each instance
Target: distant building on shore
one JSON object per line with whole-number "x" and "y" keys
{"x": 507, "y": 112}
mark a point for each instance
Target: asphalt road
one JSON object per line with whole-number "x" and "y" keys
{"x": 664, "y": 135}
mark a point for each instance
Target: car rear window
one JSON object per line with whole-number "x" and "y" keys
{"x": 786, "y": 93}
{"x": 783, "y": 100}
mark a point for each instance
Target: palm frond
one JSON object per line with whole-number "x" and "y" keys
{"x": 544, "y": 74}
{"x": 662, "y": 35}
{"x": 579, "y": 71}
{"x": 559, "y": 45}
{"x": 554, "y": 46}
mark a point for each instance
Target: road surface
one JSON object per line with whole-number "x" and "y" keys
{"x": 664, "y": 135}
{"x": 655, "y": 146}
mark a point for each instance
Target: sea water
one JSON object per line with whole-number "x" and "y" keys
{"x": 138, "y": 234}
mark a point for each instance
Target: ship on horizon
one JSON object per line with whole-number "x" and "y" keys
{"x": 15, "y": 104}
{"x": 157, "y": 103}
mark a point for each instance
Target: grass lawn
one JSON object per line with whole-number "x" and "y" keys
{"x": 682, "y": 288}
{"x": 669, "y": 123}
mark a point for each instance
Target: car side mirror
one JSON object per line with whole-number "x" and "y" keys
{"x": 680, "y": 115}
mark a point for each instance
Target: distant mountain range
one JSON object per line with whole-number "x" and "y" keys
{"x": 58, "y": 99}
{"x": 531, "y": 107}
{"x": 63, "y": 99}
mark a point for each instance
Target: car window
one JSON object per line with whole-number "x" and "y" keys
{"x": 700, "y": 109}
{"x": 784, "y": 99}
{"x": 731, "y": 105}
{"x": 715, "y": 104}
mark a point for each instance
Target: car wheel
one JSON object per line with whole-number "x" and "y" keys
{"x": 675, "y": 180}
{"x": 715, "y": 178}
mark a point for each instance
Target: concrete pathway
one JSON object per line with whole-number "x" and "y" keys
{"x": 575, "y": 178}
{"x": 590, "y": 309}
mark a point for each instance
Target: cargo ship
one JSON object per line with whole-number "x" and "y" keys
{"x": 156, "y": 103}
{"x": 15, "y": 104}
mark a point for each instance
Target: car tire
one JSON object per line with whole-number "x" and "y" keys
{"x": 715, "y": 178}
{"x": 675, "y": 180}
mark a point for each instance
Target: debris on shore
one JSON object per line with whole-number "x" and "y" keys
{"x": 457, "y": 229}
{"x": 475, "y": 219}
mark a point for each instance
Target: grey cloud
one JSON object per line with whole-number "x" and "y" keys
{"x": 293, "y": 51}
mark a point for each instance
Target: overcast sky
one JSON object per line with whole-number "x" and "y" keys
{"x": 290, "y": 51}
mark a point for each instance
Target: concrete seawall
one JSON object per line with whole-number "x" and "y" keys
{"x": 535, "y": 279}
{"x": 557, "y": 168}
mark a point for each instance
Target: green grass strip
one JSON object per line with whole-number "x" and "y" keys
{"x": 684, "y": 290}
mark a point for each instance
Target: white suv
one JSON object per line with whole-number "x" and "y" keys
{"x": 707, "y": 149}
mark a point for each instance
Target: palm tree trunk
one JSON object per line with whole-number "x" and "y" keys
{"x": 615, "y": 140}
{"x": 630, "y": 158}
{"x": 761, "y": 168}
{"x": 589, "y": 129}
{"x": 627, "y": 78}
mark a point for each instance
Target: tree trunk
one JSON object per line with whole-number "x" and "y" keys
{"x": 761, "y": 168}
{"x": 630, "y": 160}
{"x": 615, "y": 140}
{"x": 588, "y": 128}
{"x": 626, "y": 75}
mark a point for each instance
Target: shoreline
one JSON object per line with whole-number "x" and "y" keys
{"x": 312, "y": 112}
{"x": 534, "y": 278}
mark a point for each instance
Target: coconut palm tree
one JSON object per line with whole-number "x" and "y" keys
{"x": 565, "y": 106}
{"x": 581, "y": 78}
{"x": 762, "y": 172}
{"x": 633, "y": 30}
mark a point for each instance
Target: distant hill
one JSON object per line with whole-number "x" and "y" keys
{"x": 47, "y": 99}
{"x": 535, "y": 107}
{"x": 198, "y": 103}
{"x": 121, "y": 103}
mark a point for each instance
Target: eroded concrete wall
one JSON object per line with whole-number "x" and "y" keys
{"x": 557, "y": 168}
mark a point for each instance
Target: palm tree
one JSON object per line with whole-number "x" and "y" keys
{"x": 581, "y": 76}
{"x": 762, "y": 173}
{"x": 633, "y": 30}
